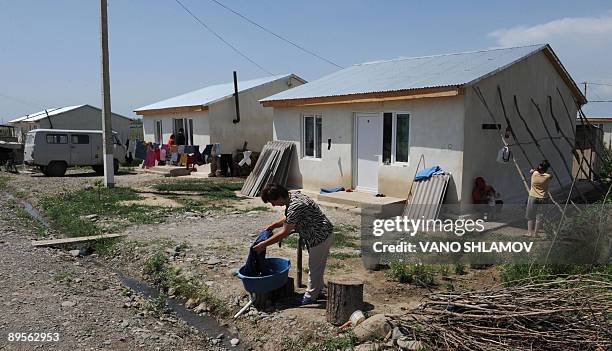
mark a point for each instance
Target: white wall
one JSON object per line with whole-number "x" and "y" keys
{"x": 533, "y": 78}
{"x": 255, "y": 124}
{"x": 436, "y": 132}
{"x": 201, "y": 126}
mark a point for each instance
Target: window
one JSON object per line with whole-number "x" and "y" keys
{"x": 79, "y": 139}
{"x": 396, "y": 137}
{"x": 158, "y": 132}
{"x": 57, "y": 139}
{"x": 312, "y": 140}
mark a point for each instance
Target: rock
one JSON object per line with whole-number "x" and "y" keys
{"x": 68, "y": 304}
{"x": 213, "y": 261}
{"x": 75, "y": 253}
{"x": 200, "y": 308}
{"x": 235, "y": 341}
{"x": 375, "y": 327}
{"x": 125, "y": 324}
{"x": 396, "y": 334}
{"x": 405, "y": 343}
{"x": 233, "y": 272}
{"x": 191, "y": 303}
{"x": 369, "y": 346}
{"x": 91, "y": 217}
{"x": 220, "y": 336}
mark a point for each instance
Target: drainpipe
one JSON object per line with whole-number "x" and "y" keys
{"x": 237, "y": 120}
{"x": 49, "y": 118}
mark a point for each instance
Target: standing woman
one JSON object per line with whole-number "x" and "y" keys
{"x": 538, "y": 195}
{"x": 303, "y": 215}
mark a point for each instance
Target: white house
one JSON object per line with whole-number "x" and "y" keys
{"x": 207, "y": 115}
{"x": 367, "y": 126}
{"x": 80, "y": 117}
{"x": 605, "y": 124}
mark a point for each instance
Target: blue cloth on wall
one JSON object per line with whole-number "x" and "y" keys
{"x": 331, "y": 190}
{"x": 140, "y": 151}
{"x": 427, "y": 172}
{"x": 256, "y": 261}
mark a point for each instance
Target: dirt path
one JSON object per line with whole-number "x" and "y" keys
{"x": 81, "y": 304}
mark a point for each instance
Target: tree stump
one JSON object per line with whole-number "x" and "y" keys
{"x": 343, "y": 298}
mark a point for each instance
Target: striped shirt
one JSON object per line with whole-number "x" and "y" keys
{"x": 312, "y": 225}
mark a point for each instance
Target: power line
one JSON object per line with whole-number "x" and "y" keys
{"x": 604, "y": 84}
{"x": 221, "y": 38}
{"x": 277, "y": 35}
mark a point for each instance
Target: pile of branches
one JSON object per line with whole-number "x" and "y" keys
{"x": 573, "y": 313}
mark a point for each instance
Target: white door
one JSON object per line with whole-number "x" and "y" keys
{"x": 369, "y": 150}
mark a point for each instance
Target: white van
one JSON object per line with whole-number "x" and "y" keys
{"x": 54, "y": 150}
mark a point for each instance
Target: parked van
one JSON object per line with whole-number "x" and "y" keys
{"x": 54, "y": 150}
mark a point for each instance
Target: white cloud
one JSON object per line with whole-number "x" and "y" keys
{"x": 569, "y": 28}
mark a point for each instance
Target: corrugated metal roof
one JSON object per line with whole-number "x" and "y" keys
{"x": 212, "y": 93}
{"x": 34, "y": 117}
{"x": 410, "y": 73}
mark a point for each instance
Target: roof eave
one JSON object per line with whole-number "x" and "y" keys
{"x": 172, "y": 110}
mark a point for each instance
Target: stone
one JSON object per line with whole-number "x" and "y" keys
{"x": 369, "y": 346}
{"x": 220, "y": 336}
{"x": 125, "y": 324}
{"x": 405, "y": 343}
{"x": 75, "y": 253}
{"x": 235, "y": 341}
{"x": 191, "y": 303}
{"x": 91, "y": 217}
{"x": 213, "y": 261}
{"x": 68, "y": 304}
{"x": 233, "y": 272}
{"x": 397, "y": 333}
{"x": 375, "y": 327}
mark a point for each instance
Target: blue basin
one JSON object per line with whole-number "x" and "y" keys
{"x": 266, "y": 283}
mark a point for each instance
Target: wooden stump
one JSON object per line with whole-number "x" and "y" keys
{"x": 343, "y": 298}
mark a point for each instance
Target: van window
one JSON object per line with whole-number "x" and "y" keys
{"x": 57, "y": 139}
{"x": 80, "y": 139}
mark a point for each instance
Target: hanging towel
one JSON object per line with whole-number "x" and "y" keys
{"x": 427, "y": 173}
{"x": 181, "y": 149}
{"x": 331, "y": 190}
{"x": 256, "y": 261}
{"x": 189, "y": 149}
{"x": 246, "y": 158}
{"x": 504, "y": 155}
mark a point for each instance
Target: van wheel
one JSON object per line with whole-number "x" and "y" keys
{"x": 116, "y": 166}
{"x": 56, "y": 169}
{"x": 98, "y": 169}
{"x": 43, "y": 169}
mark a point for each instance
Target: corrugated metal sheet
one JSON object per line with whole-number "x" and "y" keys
{"x": 42, "y": 114}
{"x": 427, "y": 196}
{"x": 211, "y": 93}
{"x": 410, "y": 73}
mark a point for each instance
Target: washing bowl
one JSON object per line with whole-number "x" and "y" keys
{"x": 266, "y": 283}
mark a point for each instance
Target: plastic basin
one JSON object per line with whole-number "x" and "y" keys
{"x": 266, "y": 283}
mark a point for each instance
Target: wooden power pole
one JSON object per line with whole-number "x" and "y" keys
{"x": 107, "y": 131}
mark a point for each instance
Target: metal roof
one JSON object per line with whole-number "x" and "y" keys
{"x": 410, "y": 73}
{"x": 34, "y": 117}
{"x": 212, "y": 93}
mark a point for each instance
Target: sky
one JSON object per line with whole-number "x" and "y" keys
{"x": 50, "y": 50}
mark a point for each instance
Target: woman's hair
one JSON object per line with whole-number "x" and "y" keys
{"x": 274, "y": 192}
{"x": 172, "y": 136}
{"x": 543, "y": 166}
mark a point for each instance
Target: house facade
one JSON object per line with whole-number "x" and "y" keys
{"x": 207, "y": 115}
{"x": 371, "y": 126}
{"x": 80, "y": 117}
{"x": 605, "y": 124}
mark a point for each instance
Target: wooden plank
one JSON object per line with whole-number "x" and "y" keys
{"x": 180, "y": 109}
{"x": 370, "y": 97}
{"x": 80, "y": 239}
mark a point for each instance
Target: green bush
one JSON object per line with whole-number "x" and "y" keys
{"x": 417, "y": 274}
{"x": 521, "y": 274}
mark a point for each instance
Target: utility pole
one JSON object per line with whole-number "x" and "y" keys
{"x": 585, "y": 88}
{"x": 107, "y": 131}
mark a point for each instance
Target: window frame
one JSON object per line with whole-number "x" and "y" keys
{"x": 79, "y": 136}
{"x": 159, "y": 131}
{"x": 317, "y": 153}
{"x": 58, "y": 138}
{"x": 394, "y": 115}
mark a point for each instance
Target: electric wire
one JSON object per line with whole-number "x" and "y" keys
{"x": 277, "y": 35}
{"x": 197, "y": 19}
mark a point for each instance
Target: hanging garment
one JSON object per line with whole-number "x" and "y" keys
{"x": 140, "y": 150}
{"x": 181, "y": 149}
{"x": 157, "y": 153}
{"x": 150, "y": 158}
{"x": 174, "y": 158}
{"x": 246, "y": 158}
{"x": 162, "y": 154}
{"x": 226, "y": 165}
{"x": 183, "y": 160}
{"x": 174, "y": 149}
{"x": 504, "y": 155}
{"x": 189, "y": 149}
{"x": 255, "y": 264}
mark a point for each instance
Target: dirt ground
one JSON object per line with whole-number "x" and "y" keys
{"x": 218, "y": 243}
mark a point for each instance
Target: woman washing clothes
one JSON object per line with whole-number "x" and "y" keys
{"x": 304, "y": 216}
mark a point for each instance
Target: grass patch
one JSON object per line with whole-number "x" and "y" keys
{"x": 64, "y": 277}
{"x": 417, "y": 274}
{"x": 214, "y": 190}
{"x": 67, "y": 211}
{"x": 344, "y": 341}
{"x": 3, "y": 182}
{"x": 521, "y": 274}
{"x": 157, "y": 306}
{"x": 344, "y": 255}
{"x": 169, "y": 280}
